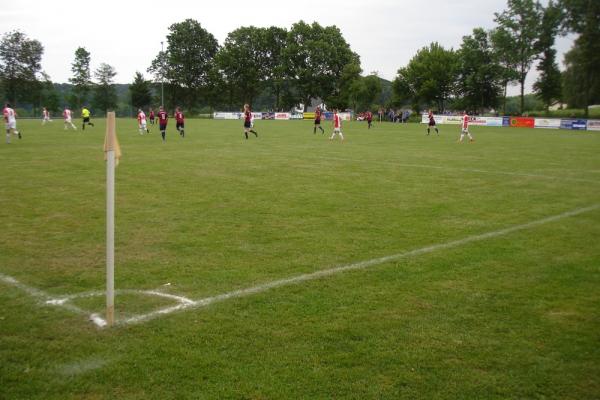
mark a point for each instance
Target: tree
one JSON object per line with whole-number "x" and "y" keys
{"x": 428, "y": 78}
{"x": 140, "y": 92}
{"x": 579, "y": 90}
{"x": 186, "y": 64}
{"x": 363, "y": 92}
{"x": 548, "y": 86}
{"x": 583, "y": 18}
{"x": 81, "y": 79}
{"x": 522, "y": 22}
{"x": 20, "y": 64}
{"x": 275, "y": 43}
{"x": 244, "y": 62}
{"x": 105, "y": 95}
{"x": 480, "y": 76}
{"x": 505, "y": 56}
{"x": 315, "y": 58}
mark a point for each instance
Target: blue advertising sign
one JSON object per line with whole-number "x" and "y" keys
{"x": 505, "y": 121}
{"x": 573, "y": 124}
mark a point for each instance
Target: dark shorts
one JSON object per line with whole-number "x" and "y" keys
{"x": 163, "y": 127}
{"x": 318, "y": 121}
{"x": 247, "y": 124}
{"x": 179, "y": 125}
{"x": 86, "y": 120}
{"x": 431, "y": 123}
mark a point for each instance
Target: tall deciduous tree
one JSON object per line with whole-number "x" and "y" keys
{"x": 428, "y": 78}
{"x": 480, "y": 76}
{"x": 548, "y": 86}
{"x": 187, "y": 62}
{"x": 315, "y": 59}
{"x": 140, "y": 91}
{"x": 583, "y": 17}
{"x": 20, "y": 64}
{"x": 105, "y": 94}
{"x": 506, "y": 56}
{"x": 522, "y": 21}
{"x": 244, "y": 62}
{"x": 81, "y": 79}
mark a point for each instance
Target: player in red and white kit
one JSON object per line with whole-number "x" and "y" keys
{"x": 432, "y": 124}
{"x": 465, "y": 129}
{"x": 337, "y": 125}
{"x": 318, "y": 121}
{"x": 248, "y": 121}
{"x": 142, "y": 125}
{"x": 10, "y": 118}
{"x": 67, "y": 115}
{"x": 163, "y": 118}
{"x": 180, "y": 123}
{"x": 45, "y": 116}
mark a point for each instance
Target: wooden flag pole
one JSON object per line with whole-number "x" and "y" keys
{"x": 110, "y": 217}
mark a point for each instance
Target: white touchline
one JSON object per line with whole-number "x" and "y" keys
{"x": 475, "y": 170}
{"x": 350, "y": 267}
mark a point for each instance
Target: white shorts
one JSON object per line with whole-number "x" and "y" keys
{"x": 337, "y": 130}
{"x": 68, "y": 121}
{"x": 11, "y": 125}
{"x": 465, "y": 130}
{"x": 142, "y": 125}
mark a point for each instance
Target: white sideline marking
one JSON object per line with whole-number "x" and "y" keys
{"x": 480, "y": 171}
{"x": 186, "y": 303}
{"x": 351, "y": 267}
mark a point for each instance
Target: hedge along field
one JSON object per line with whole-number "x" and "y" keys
{"x": 478, "y": 266}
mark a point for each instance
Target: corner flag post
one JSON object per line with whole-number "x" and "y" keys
{"x": 112, "y": 153}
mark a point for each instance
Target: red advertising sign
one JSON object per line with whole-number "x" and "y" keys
{"x": 522, "y": 122}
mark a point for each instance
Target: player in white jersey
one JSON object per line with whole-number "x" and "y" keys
{"x": 45, "y": 116}
{"x": 337, "y": 126}
{"x": 465, "y": 129}
{"x": 67, "y": 114}
{"x": 10, "y": 118}
{"x": 142, "y": 125}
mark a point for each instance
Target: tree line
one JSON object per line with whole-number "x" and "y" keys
{"x": 476, "y": 76}
{"x": 284, "y": 67}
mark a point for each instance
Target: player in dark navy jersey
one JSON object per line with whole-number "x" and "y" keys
{"x": 248, "y": 121}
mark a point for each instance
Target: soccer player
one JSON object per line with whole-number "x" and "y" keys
{"x": 142, "y": 127}
{"x": 10, "y": 118}
{"x": 337, "y": 125}
{"x": 45, "y": 116}
{"x": 85, "y": 114}
{"x": 369, "y": 118}
{"x": 432, "y": 124}
{"x": 163, "y": 118}
{"x": 465, "y": 129}
{"x": 67, "y": 115}
{"x": 151, "y": 117}
{"x": 179, "y": 118}
{"x": 318, "y": 121}
{"x": 248, "y": 121}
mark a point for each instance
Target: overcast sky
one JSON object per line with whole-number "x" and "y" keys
{"x": 127, "y": 35}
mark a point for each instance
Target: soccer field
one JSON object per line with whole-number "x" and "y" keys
{"x": 393, "y": 265}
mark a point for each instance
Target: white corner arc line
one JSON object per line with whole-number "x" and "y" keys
{"x": 350, "y": 267}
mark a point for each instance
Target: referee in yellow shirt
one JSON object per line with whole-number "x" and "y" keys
{"x": 85, "y": 114}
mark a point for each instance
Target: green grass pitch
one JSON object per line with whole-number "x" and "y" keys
{"x": 509, "y": 315}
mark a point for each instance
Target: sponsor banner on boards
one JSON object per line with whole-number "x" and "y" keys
{"x": 593, "y": 125}
{"x": 547, "y": 123}
{"x": 522, "y": 122}
{"x": 573, "y": 124}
